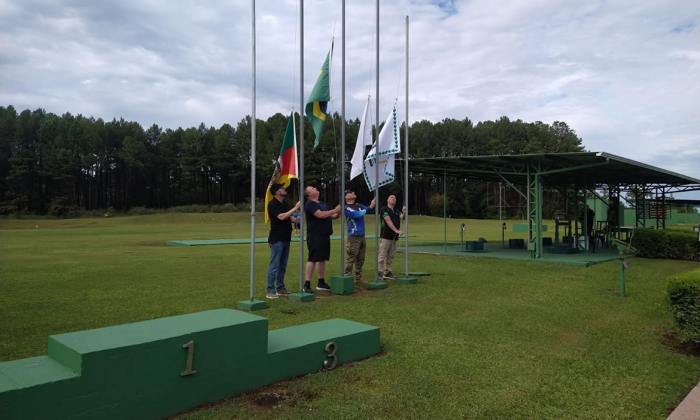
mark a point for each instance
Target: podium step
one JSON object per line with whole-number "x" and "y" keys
{"x": 158, "y": 368}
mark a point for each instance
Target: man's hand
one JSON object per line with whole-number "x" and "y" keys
{"x": 373, "y": 203}
{"x": 297, "y": 205}
{"x": 399, "y": 232}
{"x": 337, "y": 209}
{"x": 403, "y": 209}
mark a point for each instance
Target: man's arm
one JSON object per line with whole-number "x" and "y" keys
{"x": 287, "y": 215}
{"x": 391, "y": 226}
{"x": 354, "y": 214}
{"x": 320, "y": 214}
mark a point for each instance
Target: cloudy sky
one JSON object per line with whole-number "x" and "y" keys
{"x": 624, "y": 74}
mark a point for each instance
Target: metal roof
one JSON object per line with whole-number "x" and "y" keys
{"x": 555, "y": 169}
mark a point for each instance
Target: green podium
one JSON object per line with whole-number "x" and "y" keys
{"x": 156, "y": 369}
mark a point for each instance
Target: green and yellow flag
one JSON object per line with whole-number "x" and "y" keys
{"x": 286, "y": 167}
{"x": 317, "y": 104}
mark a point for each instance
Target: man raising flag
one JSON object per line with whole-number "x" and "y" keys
{"x": 286, "y": 167}
{"x": 317, "y": 104}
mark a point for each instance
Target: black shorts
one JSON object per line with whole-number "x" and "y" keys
{"x": 319, "y": 247}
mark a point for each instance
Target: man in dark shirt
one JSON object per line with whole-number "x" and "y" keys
{"x": 280, "y": 236}
{"x": 319, "y": 228}
{"x": 391, "y": 222}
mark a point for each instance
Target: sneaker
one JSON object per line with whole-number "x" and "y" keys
{"x": 389, "y": 275}
{"x": 272, "y": 295}
{"x": 380, "y": 276}
{"x": 307, "y": 289}
{"x": 283, "y": 292}
{"x": 323, "y": 286}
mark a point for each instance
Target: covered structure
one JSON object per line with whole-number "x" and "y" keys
{"x": 580, "y": 174}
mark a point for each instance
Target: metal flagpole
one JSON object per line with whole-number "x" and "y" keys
{"x": 252, "y": 174}
{"x": 376, "y": 157}
{"x": 405, "y": 154}
{"x": 342, "y": 148}
{"x": 500, "y": 202}
{"x": 302, "y": 212}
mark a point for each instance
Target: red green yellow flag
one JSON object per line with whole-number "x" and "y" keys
{"x": 286, "y": 167}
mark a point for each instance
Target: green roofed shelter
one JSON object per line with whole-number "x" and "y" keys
{"x": 583, "y": 172}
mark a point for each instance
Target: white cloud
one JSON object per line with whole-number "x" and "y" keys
{"x": 624, "y": 74}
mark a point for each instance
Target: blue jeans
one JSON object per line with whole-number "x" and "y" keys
{"x": 279, "y": 254}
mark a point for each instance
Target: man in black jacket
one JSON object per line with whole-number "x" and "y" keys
{"x": 391, "y": 222}
{"x": 281, "y": 219}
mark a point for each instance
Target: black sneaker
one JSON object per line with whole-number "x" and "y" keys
{"x": 323, "y": 286}
{"x": 307, "y": 289}
{"x": 390, "y": 275}
{"x": 283, "y": 292}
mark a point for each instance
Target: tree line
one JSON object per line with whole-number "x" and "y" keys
{"x": 56, "y": 165}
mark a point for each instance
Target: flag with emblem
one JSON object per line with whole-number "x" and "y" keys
{"x": 286, "y": 166}
{"x": 382, "y": 154}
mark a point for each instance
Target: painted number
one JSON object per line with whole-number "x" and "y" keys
{"x": 190, "y": 356}
{"x": 331, "y": 354}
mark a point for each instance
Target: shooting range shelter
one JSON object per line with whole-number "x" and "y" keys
{"x": 578, "y": 175}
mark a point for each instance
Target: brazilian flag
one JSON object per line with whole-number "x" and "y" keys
{"x": 317, "y": 104}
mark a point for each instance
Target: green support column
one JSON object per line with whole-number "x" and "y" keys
{"x": 530, "y": 212}
{"x": 444, "y": 206}
{"x": 538, "y": 187}
{"x": 586, "y": 245}
{"x": 577, "y": 214}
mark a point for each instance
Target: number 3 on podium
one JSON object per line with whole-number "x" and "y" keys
{"x": 331, "y": 354}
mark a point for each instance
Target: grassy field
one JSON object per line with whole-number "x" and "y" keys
{"x": 479, "y": 338}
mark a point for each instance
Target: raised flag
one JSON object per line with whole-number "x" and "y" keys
{"x": 317, "y": 104}
{"x": 286, "y": 167}
{"x": 389, "y": 143}
{"x": 364, "y": 139}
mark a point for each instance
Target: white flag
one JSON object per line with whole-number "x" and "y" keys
{"x": 364, "y": 138}
{"x": 387, "y": 174}
{"x": 389, "y": 144}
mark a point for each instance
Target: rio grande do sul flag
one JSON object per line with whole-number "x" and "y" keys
{"x": 286, "y": 167}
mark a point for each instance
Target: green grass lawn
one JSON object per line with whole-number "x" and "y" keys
{"x": 479, "y": 338}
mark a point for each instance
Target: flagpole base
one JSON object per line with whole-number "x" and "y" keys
{"x": 302, "y": 297}
{"x": 376, "y": 285}
{"x": 407, "y": 280}
{"x": 251, "y": 305}
{"x": 342, "y": 285}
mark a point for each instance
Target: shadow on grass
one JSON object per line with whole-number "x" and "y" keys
{"x": 673, "y": 343}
